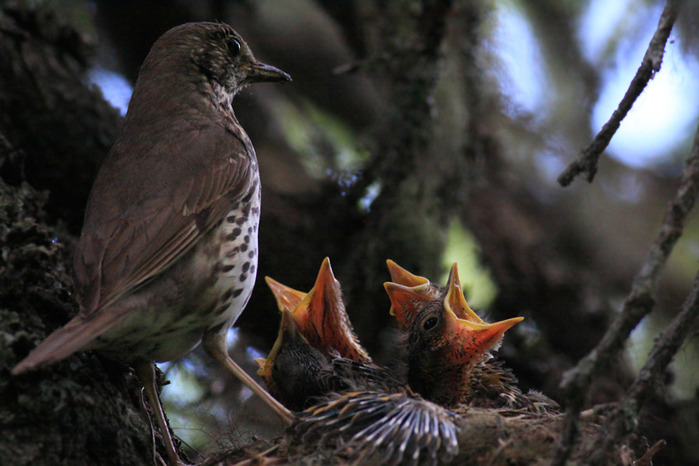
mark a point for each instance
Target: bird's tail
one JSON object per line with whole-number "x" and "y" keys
{"x": 381, "y": 428}
{"x": 72, "y": 337}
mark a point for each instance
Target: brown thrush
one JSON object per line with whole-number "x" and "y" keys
{"x": 168, "y": 252}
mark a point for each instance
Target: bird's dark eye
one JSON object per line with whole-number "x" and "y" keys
{"x": 233, "y": 47}
{"x": 430, "y": 323}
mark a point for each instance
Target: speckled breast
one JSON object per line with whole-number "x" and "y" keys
{"x": 204, "y": 292}
{"x": 237, "y": 263}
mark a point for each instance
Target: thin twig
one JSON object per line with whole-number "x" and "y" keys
{"x": 647, "y": 458}
{"x": 664, "y": 349}
{"x": 638, "y": 304}
{"x": 589, "y": 158}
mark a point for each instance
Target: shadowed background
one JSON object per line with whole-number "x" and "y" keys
{"x": 412, "y": 134}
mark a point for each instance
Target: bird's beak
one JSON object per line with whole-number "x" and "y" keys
{"x": 288, "y": 333}
{"x": 403, "y": 277}
{"x": 261, "y": 72}
{"x": 322, "y": 317}
{"x": 455, "y": 299}
{"x": 407, "y": 301}
{"x": 467, "y": 333}
{"x": 325, "y": 298}
{"x": 316, "y": 312}
{"x": 469, "y": 340}
{"x": 287, "y": 297}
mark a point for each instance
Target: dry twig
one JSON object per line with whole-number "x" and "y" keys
{"x": 589, "y": 157}
{"x": 664, "y": 349}
{"x": 637, "y": 305}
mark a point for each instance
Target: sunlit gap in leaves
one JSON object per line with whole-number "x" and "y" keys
{"x": 372, "y": 192}
{"x": 326, "y": 146}
{"x": 627, "y": 187}
{"x": 550, "y": 163}
{"x": 232, "y": 338}
{"x": 614, "y": 37}
{"x": 462, "y": 248}
{"x": 184, "y": 387}
{"x": 521, "y": 76}
{"x": 115, "y": 88}
{"x": 185, "y": 390}
{"x": 182, "y": 391}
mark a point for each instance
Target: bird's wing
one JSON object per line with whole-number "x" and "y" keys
{"x": 372, "y": 427}
{"x": 211, "y": 171}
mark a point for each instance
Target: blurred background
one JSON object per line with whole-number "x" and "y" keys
{"x": 431, "y": 138}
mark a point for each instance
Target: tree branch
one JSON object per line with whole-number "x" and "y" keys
{"x": 638, "y": 304}
{"x": 666, "y": 346}
{"x": 589, "y": 158}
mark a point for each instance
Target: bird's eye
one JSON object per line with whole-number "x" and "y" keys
{"x": 430, "y": 323}
{"x": 233, "y": 47}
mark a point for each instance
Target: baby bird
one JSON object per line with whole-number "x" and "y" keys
{"x": 364, "y": 408}
{"x": 449, "y": 346}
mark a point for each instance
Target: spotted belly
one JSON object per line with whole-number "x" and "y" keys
{"x": 237, "y": 265}
{"x": 204, "y": 292}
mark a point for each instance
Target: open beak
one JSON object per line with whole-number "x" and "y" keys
{"x": 288, "y": 333}
{"x": 322, "y": 317}
{"x": 287, "y": 298}
{"x": 403, "y": 277}
{"x": 455, "y": 299}
{"x": 468, "y": 340}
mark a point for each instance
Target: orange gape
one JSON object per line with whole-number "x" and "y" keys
{"x": 448, "y": 343}
{"x": 320, "y": 314}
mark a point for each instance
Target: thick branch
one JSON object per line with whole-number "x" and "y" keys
{"x": 589, "y": 158}
{"x": 638, "y": 304}
{"x": 406, "y": 211}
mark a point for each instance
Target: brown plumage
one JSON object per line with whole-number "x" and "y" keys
{"x": 168, "y": 253}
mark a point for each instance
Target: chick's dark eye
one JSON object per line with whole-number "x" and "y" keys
{"x": 233, "y": 47}
{"x": 430, "y": 323}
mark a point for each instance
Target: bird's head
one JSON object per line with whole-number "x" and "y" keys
{"x": 226, "y": 60}
{"x": 211, "y": 56}
{"x": 446, "y": 326}
{"x": 320, "y": 314}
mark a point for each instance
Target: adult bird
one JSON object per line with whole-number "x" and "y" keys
{"x": 167, "y": 257}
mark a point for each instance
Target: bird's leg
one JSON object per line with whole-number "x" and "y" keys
{"x": 146, "y": 374}
{"x": 216, "y": 347}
